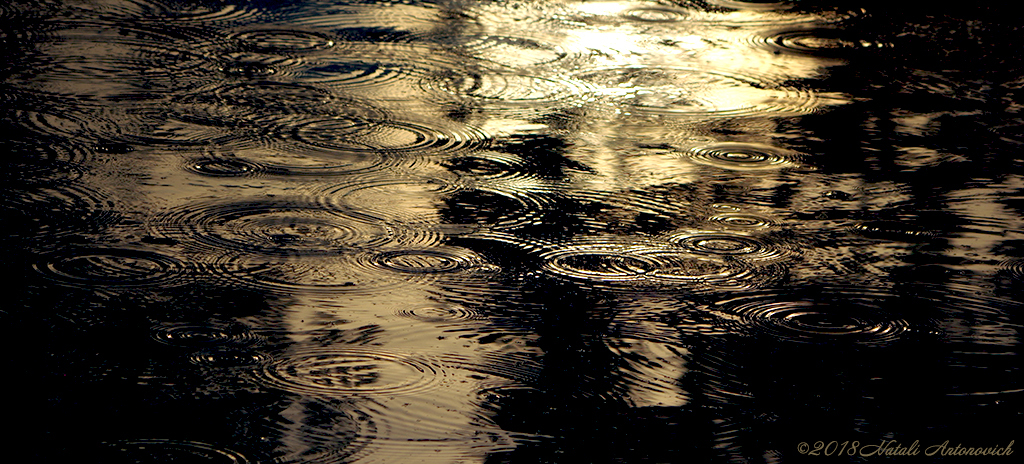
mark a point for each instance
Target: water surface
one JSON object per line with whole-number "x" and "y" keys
{"x": 508, "y": 231}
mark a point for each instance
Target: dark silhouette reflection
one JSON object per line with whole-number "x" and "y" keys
{"x": 580, "y": 399}
{"x": 96, "y": 376}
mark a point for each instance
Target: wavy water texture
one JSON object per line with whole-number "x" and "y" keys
{"x": 280, "y": 228}
{"x": 102, "y": 268}
{"x": 455, "y": 231}
{"x": 164, "y": 449}
{"x": 847, "y": 316}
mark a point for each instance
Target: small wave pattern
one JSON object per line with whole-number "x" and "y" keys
{"x": 224, "y": 167}
{"x": 657, "y": 14}
{"x": 264, "y": 112}
{"x": 331, "y": 430}
{"x": 649, "y": 372}
{"x": 59, "y": 209}
{"x": 353, "y": 371}
{"x": 177, "y": 13}
{"x": 737, "y": 156}
{"x": 164, "y": 450}
{"x": 274, "y": 228}
{"x": 37, "y": 159}
{"x": 353, "y": 70}
{"x": 512, "y": 94}
{"x": 502, "y": 208}
{"x": 435, "y": 260}
{"x": 821, "y": 42}
{"x": 363, "y": 271}
{"x": 306, "y": 274}
{"x": 513, "y": 52}
{"x": 893, "y": 230}
{"x": 204, "y": 336}
{"x": 420, "y": 137}
{"x": 692, "y": 92}
{"x": 824, "y": 320}
{"x": 116, "y": 52}
{"x": 750, "y": 4}
{"x": 226, "y": 358}
{"x": 617, "y": 264}
{"x": 95, "y": 267}
{"x": 1014, "y": 268}
{"x": 440, "y": 313}
{"x": 492, "y": 166}
{"x": 229, "y": 104}
{"x": 392, "y": 200}
{"x": 734, "y": 218}
{"x": 725, "y": 244}
{"x": 282, "y": 41}
{"x": 283, "y": 160}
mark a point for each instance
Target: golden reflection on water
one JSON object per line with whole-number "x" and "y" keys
{"x": 640, "y": 82}
{"x": 658, "y": 78}
{"x": 436, "y": 419}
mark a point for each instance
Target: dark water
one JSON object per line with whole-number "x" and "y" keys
{"x": 509, "y": 231}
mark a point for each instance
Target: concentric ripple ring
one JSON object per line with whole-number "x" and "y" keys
{"x": 351, "y": 371}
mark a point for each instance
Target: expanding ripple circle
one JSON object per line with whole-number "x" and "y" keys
{"x": 739, "y": 220}
{"x": 351, "y": 134}
{"x": 656, "y": 14}
{"x": 92, "y": 267}
{"x": 729, "y": 245}
{"x": 272, "y": 228}
{"x": 426, "y": 261}
{"x": 720, "y": 244}
{"x": 283, "y": 41}
{"x": 743, "y": 156}
{"x": 440, "y": 313}
{"x": 352, "y": 371}
{"x": 656, "y": 265}
{"x": 816, "y": 322}
{"x": 224, "y": 167}
{"x": 203, "y": 336}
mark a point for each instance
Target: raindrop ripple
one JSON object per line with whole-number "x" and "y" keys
{"x": 112, "y": 267}
{"x": 352, "y": 371}
{"x": 820, "y": 322}
{"x": 744, "y": 156}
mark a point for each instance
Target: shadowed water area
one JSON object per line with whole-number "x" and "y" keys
{"x": 334, "y": 231}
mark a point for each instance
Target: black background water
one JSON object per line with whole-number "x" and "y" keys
{"x": 509, "y": 231}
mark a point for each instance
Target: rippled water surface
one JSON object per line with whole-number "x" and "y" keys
{"x": 329, "y": 231}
